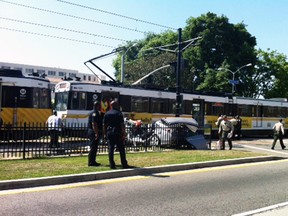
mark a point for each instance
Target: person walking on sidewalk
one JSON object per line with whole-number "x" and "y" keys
{"x": 278, "y": 130}
{"x": 94, "y": 133}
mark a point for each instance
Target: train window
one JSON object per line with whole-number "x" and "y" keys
{"x": 61, "y": 101}
{"x": 91, "y": 97}
{"x": 36, "y": 97}
{"x": 11, "y": 97}
{"x": 268, "y": 111}
{"x": 125, "y": 103}
{"x": 244, "y": 110}
{"x": 218, "y": 109}
{"x": 283, "y": 112}
{"x": 139, "y": 104}
{"x": 44, "y": 98}
{"x": 78, "y": 100}
{"x": 159, "y": 105}
{"x": 187, "y": 107}
{"x": 208, "y": 109}
{"x": 172, "y": 106}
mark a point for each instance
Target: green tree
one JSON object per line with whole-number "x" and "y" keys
{"x": 222, "y": 45}
{"x": 271, "y": 77}
{"x": 222, "y": 48}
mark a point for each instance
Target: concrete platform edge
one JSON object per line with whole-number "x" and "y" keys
{"x": 66, "y": 179}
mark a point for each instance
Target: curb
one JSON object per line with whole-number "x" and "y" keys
{"x": 66, "y": 179}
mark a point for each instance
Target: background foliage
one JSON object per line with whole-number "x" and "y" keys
{"x": 208, "y": 62}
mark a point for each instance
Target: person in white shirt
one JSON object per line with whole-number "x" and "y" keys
{"x": 54, "y": 126}
{"x": 278, "y": 130}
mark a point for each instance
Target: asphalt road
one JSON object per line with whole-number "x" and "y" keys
{"x": 225, "y": 190}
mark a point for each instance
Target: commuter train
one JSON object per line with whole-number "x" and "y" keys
{"x": 74, "y": 100}
{"x": 24, "y": 98}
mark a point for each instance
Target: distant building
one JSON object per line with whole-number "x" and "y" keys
{"x": 54, "y": 74}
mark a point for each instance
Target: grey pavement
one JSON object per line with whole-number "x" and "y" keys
{"x": 257, "y": 145}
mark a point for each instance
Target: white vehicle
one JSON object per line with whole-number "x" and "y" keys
{"x": 174, "y": 130}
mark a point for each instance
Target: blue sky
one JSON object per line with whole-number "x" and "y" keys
{"x": 21, "y": 42}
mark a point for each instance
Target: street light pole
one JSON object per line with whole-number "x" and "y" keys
{"x": 123, "y": 62}
{"x": 233, "y": 75}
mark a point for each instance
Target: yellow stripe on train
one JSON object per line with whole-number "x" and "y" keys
{"x": 19, "y": 116}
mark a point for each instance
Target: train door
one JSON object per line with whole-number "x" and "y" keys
{"x": 198, "y": 106}
{"x": 257, "y": 111}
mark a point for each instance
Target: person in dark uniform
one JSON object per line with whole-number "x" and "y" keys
{"x": 94, "y": 133}
{"x": 114, "y": 132}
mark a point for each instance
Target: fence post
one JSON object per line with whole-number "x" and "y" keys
{"x": 23, "y": 143}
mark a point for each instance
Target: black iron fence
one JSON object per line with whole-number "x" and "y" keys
{"x": 37, "y": 141}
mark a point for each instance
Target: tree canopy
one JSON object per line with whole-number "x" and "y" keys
{"x": 221, "y": 51}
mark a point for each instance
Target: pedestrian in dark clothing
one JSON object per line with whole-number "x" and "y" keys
{"x": 94, "y": 133}
{"x": 114, "y": 131}
{"x": 278, "y": 130}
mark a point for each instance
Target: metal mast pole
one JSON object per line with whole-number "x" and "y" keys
{"x": 178, "y": 85}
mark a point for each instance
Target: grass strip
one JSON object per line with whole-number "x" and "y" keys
{"x": 32, "y": 168}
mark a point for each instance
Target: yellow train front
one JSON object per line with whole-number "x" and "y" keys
{"x": 25, "y": 100}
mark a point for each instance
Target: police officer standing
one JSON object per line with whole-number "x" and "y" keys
{"x": 226, "y": 132}
{"x": 94, "y": 128}
{"x": 114, "y": 131}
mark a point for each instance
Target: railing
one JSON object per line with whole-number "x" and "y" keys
{"x": 35, "y": 141}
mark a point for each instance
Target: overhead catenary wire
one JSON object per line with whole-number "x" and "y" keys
{"x": 72, "y": 16}
{"x": 81, "y": 18}
{"x": 63, "y": 29}
{"x": 116, "y": 14}
{"x": 57, "y": 37}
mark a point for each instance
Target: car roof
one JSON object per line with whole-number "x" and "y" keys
{"x": 180, "y": 120}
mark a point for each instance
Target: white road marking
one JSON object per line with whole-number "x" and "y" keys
{"x": 261, "y": 210}
{"x": 263, "y": 149}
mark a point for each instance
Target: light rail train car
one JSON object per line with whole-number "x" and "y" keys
{"x": 24, "y": 99}
{"x": 74, "y": 100}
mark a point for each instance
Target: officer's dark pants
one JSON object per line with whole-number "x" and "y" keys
{"x": 224, "y": 138}
{"x": 54, "y": 135}
{"x": 93, "y": 147}
{"x": 276, "y": 137}
{"x": 115, "y": 140}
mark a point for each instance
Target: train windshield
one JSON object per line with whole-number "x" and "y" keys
{"x": 61, "y": 101}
